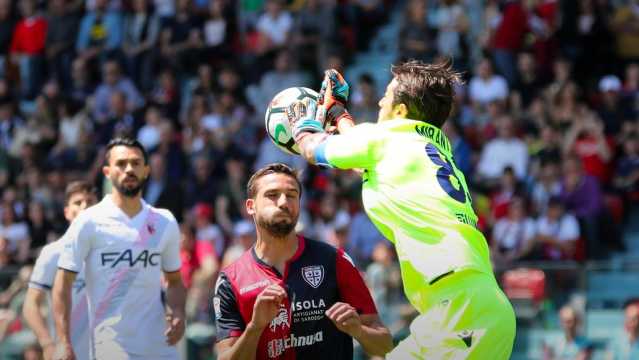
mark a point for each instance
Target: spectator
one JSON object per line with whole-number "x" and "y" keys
{"x": 113, "y": 81}
{"x": 587, "y": 140}
{"x": 363, "y": 237}
{"x": 513, "y": 236}
{"x": 40, "y": 229}
{"x": 626, "y": 179}
{"x": 27, "y": 48}
{"x": 100, "y": 33}
{"x": 507, "y": 191}
{"x": 141, "y": 34}
{"x": 181, "y": 39}
{"x": 505, "y": 150}
{"x": 613, "y": 111}
{"x": 582, "y": 196}
{"x": 557, "y": 232}
{"x": 120, "y": 122}
{"x": 625, "y": 26}
{"x": 206, "y": 230}
{"x": 81, "y": 86}
{"x": 384, "y": 281}
{"x": 9, "y": 125}
{"x": 546, "y": 185}
{"x": 571, "y": 345}
{"x": 162, "y": 191}
{"x": 529, "y": 83}
{"x": 625, "y": 346}
{"x": 416, "y": 37}
{"x": 166, "y": 94}
{"x": 462, "y": 153}
{"x": 7, "y": 24}
{"x": 364, "y": 106}
{"x": 314, "y": 28}
{"x": 283, "y": 75}
{"x": 486, "y": 86}
{"x": 16, "y": 231}
{"x": 273, "y": 26}
{"x": 149, "y": 134}
{"x": 199, "y": 260}
{"x": 451, "y": 24}
{"x": 202, "y": 187}
{"x": 243, "y": 239}
{"x": 63, "y": 20}
{"x": 508, "y": 38}
{"x": 229, "y": 203}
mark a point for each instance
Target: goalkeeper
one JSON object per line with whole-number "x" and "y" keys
{"x": 419, "y": 200}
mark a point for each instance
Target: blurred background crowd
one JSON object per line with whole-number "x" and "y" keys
{"x": 545, "y": 129}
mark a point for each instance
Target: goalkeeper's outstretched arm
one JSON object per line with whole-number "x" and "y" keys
{"x": 309, "y": 141}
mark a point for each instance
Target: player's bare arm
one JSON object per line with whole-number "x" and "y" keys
{"x": 62, "y": 313}
{"x": 367, "y": 329}
{"x": 175, "y": 301}
{"x": 33, "y": 316}
{"x": 267, "y": 306}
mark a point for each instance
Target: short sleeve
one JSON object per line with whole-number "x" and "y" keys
{"x": 228, "y": 320}
{"x": 44, "y": 270}
{"x": 171, "y": 261}
{"x": 76, "y": 243}
{"x": 352, "y": 289}
{"x": 354, "y": 149}
{"x": 569, "y": 228}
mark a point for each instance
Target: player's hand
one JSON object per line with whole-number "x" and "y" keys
{"x": 175, "y": 329}
{"x": 332, "y": 99}
{"x": 63, "y": 351}
{"x": 345, "y": 318}
{"x": 267, "y": 305}
{"x": 48, "y": 350}
{"x": 302, "y": 119}
{"x": 334, "y": 88}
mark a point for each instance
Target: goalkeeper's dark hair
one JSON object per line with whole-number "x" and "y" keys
{"x": 427, "y": 90}
{"x": 275, "y": 168}
{"x": 128, "y": 142}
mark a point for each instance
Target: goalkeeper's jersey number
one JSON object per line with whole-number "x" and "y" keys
{"x": 444, "y": 174}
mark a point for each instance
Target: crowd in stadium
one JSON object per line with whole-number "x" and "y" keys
{"x": 545, "y": 128}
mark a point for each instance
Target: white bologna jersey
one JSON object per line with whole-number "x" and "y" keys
{"x": 124, "y": 258}
{"x": 42, "y": 278}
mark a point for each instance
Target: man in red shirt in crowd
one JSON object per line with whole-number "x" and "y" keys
{"x": 27, "y": 47}
{"x": 289, "y": 297}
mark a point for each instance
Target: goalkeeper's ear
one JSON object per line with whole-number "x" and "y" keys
{"x": 400, "y": 110}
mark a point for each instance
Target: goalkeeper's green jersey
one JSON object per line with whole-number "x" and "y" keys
{"x": 416, "y": 196}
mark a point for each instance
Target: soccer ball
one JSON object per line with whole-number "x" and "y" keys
{"x": 276, "y": 121}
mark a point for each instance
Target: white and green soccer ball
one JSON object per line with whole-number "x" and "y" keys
{"x": 276, "y": 121}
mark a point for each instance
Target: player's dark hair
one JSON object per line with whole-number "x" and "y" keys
{"x": 128, "y": 142}
{"x": 275, "y": 168}
{"x": 427, "y": 90}
{"x": 79, "y": 186}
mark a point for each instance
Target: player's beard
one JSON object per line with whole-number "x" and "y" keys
{"x": 279, "y": 228}
{"x": 130, "y": 190}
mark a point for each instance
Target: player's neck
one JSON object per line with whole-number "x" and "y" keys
{"x": 276, "y": 251}
{"x": 130, "y": 205}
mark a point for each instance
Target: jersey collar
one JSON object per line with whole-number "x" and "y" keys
{"x": 424, "y": 129}
{"x": 118, "y": 213}
{"x": 301, "y": 244}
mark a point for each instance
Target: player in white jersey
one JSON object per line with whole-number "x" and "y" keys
{"x": 78, "y": 196}
{"x": 126, "y": 246}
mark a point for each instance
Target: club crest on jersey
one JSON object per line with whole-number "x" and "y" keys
{"x": 313, "y": 275}
{"x": 150, "y": 228}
